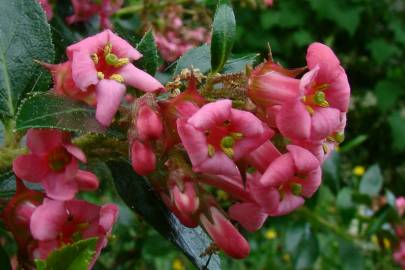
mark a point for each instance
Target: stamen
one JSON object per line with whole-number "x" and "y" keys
{"x": 320, "y": 99}
{"x": 321, "y": 87}
{"x": 227, "y": 142}
{"x": 100, "y": 75}
{"x": 340, "y": 137}
{"x": 94, "y": 57}
{"x": 107, "y": 49}
{"x": 229, "y": 152}
{"x": 310, "y": 110}
{"x": 111, "y": 59}
{"x": 121, "y": 62}
{"x": 236, "y": 135}
{"x": 296, "y": 189}
{"x": 117, "y": 77}
{"x": 325, "y": 148}
{"x": 211, "y": 150}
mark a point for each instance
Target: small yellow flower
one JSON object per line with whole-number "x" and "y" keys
{"x": 359, "y": 170}
{"x": 270, "y": 234}
{"x": 286, "y": 257}
{"x": 387, "y": 243}
{"x": 374, "y": 239}
{"x": 178, "y": 264}
{"x": 222, "y": 195}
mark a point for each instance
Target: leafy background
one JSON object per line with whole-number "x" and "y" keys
{"x": 344, "y": 226}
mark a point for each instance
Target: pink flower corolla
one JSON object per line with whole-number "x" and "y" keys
{"x": 148, "y": 123}
{"x": 184, "y": 195}
{"x": 53, "y": 161}
{"x": 224, "y": 234}
{"x": 57, "y": 223}
{"x": 324, "y": 94}
{"x": 103, "y": 61}
{"x": 85, "y": 9}
{"x": 289, "y": 179}
{"x": 268, "y": 2}
{"x": 217, "y": 135}
{"x": 143, "y": 158}
{"x": 399, "y": 254}
{"x": 400, "y": 204}
{"x": 47, "y": 8}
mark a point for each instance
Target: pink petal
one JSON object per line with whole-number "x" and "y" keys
{"x": 82, "y": 211}
{"x": 246, "y": 123}
{"x": 139, "y": 79}
{"x": 278, "y": 172}
{"x": 42, "y": 141}
{"x": 338, "y": 93}
{"x": 108, "y": 216}
{"x": 311, "y": 182}
{"x": 143, "y": 158}
{"x": 30, "y": 167}
{"x": 211, "y": 114}
{"x": 58, "y": 187}
{"x": 218, "y": 164}
{"x": 322, "y": 55}
{"x": 86, "y": 180}
{"x": 249, "y": 215}
{"x": 187, "y": 200}
{"x": 267, "y": 197}
{"x": 76, "y": 152}
{"x": 122, "y": 48}
{"x": 289, "y": 203}
{"x": 90, "y": 45}
{"x": 325, "y": 121}
{"x": 71, "y": 169}
{"x": 45, "y": 248}
{"x": 109, "y": 95}
{"x": 48, "y": 220}
{"x": 194, "y": 141}
{"x": 263, "y": 156}
{"x": 304, "y": 160}
{"x": 84, "y": 72}
{"x": 307, "y": 81}
{"x": 294, "y": 121}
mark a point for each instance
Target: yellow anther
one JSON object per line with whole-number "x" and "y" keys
{"x": 321, "y": 87}
{"x": 211, "y": 150}
{"x": 121, "y": 62}
{"x": 310, "y": 110}
{"x": 325, "y": 148}
{"x": 340, "y": 137}
{"x": 117, "y": 77}
{"x": 228, "y": 151}
{"x": 100, "y": 75}
{"x": 94, "y": 57}
{"x": 107, "y": 49}
{"x": 236, "y": 135}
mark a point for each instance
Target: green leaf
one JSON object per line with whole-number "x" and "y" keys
{"x": 7, "y": 185}
{"x": 382, "y": 50}
{"x": 139, "y": 195}
{"x": 307, "y": 252}
{"x": 397, "y": 124}
{"x": 236, "y": 65}
{"x": 147, "y": 46}
{"x": 46, "y": 110}
{"x": 331, "y": 172}
{"x": 223, "y": 35}
{"x": 24, "y": 37}
{"x": 387, "y": 93}
{"x": 372, "y": 181}
{"x": 199, "y": 58}
{"x": 76, "y": 256}
{"x": 350, "y": 256}
{"x": 4, "y": 259}
{"x": 344, "y": 199}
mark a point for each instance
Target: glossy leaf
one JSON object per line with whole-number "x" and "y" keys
{"x": 24, "y": 37}
{"x": 147, "y": 46}
{"x": 223, "y": 35}
{"x": 199, "y": 58}
{"x": 236, "y": 65}
{"x": 77, "y": 256}
{"x": 45, "y": 110}
{"x": 372, "y": 181}
{"x": 138, "y": 194}
{"x": 350, "y": 256}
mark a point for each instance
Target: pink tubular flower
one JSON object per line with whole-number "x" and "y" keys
{"x": 56, "y": 223}
{"x": 103, "y": 61}
{"x": 224, "y": 234}
{"x": 268, "y": 3}
{"x": 148, "y": 124}
{"x": 290, "y": 178}
{"x": 85, "y": 9}
{"x": 324, "y": 95}
{"x": 143, "y": 158}
{"x": 399, "y": 255}
{"x": 217, "y": 135}
{"x": 47, "y": 8}
{"x": 400, "y": 204}
{"x": 53, "y": 162}
{"x": 183, "y": 193}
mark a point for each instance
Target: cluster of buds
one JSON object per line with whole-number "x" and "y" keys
{"x": 261, "y": 137}
{"x": 44, "y": 221}
{"x": 399, "y": 254}
{"x": 84, "y": 10}
{"x": 174, "y": 37}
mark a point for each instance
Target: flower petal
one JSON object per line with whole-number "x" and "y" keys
{"x": 249, "y": 215}
{"x": 86, "y": 180}
{"x": 218, "y": 164}
{"x": 109, "y": 96}
{"x": 288, "y": 204}
{"x": 311, "y": 183}
{"x": 41, "y": 141}
{"x": 76, "y": 152}
{"x": 324, "y": 122}
{"x": 84, "y": 72}
{"x": 58, "y": 187}
{"x": 211, "y": 114}
{"x": 294, "y": 121}
{"x": 304, "y": 160}
{"x": 322, "y": 55}
{"x": 263, "y": 156}
{"x": 122, "y": 48}
{"x": 278, "y": 172}
{"x": 338, "y": 93}
{"x": 139, "y": 79}
{"x": 30, "y": 167}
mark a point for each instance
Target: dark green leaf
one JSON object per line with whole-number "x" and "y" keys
{"x": 147, "y": 46}
{"x": 24, "y": 37}
{"x": 350, "y": 145}
{"x": 77, "y": 256}
{"x": 138, "y": 194}
{"x": 236, "y": 65}
{"x": 397, "y": 125}
{"x": 350, "y": 256}
{"x": 293, "y": 237}
{"x": 330, "y": 169}
{"x": 372, "y": 181}
{"x": 387, "y": 93}
{"x": 7, "y": 185}
{"x": 308, "y": 251}
{"x": 199, "y": 58}
{"x": 344, "y": 199}
{"x": 223, "y": 35}
{"x": 4, "y": 260}
{"x": 45, "y": 110}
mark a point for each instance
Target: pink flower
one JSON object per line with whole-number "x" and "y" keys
{"x": 148, "y": 124}
{"x": 56, "y": 223}
{"x": 399, "y": 255}
{"x": 184, "y": 195}
{"x": 52, "y": 161}
{"x": 47, "y": 8}
{"x": 224, "y": 234}
{"x": 85, "y": 9}
{"x": 268, "y": 2}
{"x": 217, "y": 135}
{"x": 289, "y": 179}
{"x": 103, "y": 61}
{"x": 400, "y": 204}
{"x": 324, "y": 95}
{"x": 143, "y": 158}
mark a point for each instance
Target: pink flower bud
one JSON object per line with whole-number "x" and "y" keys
{"x": 148, "y": 124}
{"x": 400, "y": 204}
{"x": 185, "y": 198}
{"x": 224, "y": 234}
{"x": 143, "y": 158}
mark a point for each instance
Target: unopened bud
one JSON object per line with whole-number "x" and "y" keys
{"x": 148, "y": 124}
{"x": 143, "y": 158}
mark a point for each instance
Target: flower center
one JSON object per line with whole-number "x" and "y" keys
{"x": 222, "y": 138}
{"x": 318, "y": 98}
{"x": 58, "y": 159}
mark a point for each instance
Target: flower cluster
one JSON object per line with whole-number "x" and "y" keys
{"x": 174, "y": 37}
{"x": 399, "y": 254}
{"x": 264, "y": 149}
{"x": 42, "y": 222}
